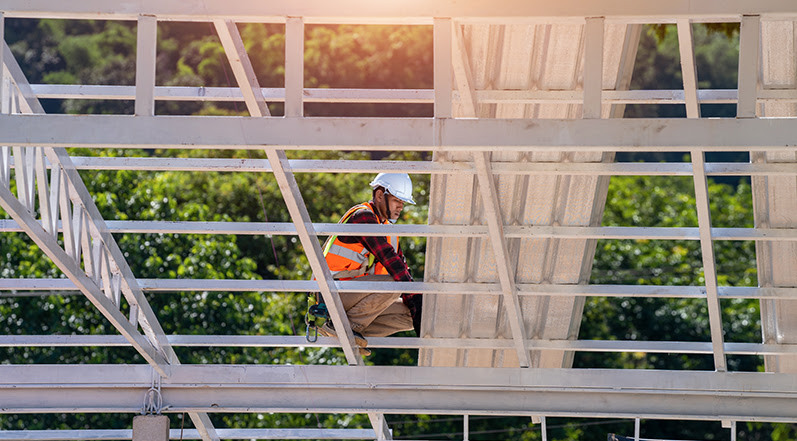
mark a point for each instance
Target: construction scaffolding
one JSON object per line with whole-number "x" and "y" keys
{"x": 528, "y": 99}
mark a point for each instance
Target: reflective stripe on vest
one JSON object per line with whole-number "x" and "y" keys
{"x": 347, "y": 261}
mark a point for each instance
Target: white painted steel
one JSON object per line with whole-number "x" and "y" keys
{"x": 709, "y": 263}
{"x": 183, "y": 93}
{"x": 241, "y": 66}
{"x": 749, "y": 63}
{"x": 502, "y": 77}
{"x": 462, "y": 71}
{"x": 3, "y": 91}
{"x": 775, "y": 197}
{"x": 265, "y": 341}
{"x": 689, "y": 74}
{"x": 159, "y": 357}
{"x": 47, "y": 286}
{"x": 424, "y": 167}
{"x": 443, "y": 59}
{"x": 503, "y": 261}
{"x": 294, "y": 79}
{"x": 593, "y": 67}
{"x": 50, "y": 246}
{"x": 245, "y": 76}
{"x": 336, "y": 389}
{"x": 102, "y": 262}
{"x": 126, "y": 434}
{"x": 686, "y": 46}
{"x": 294, "y": 67}
{"x": 407, "y": 96}
{"x": 146, "y": 46}
{"x": 513, "y": 58}
{"x": 417, "y": 134}
{"x": 416, "y": 12}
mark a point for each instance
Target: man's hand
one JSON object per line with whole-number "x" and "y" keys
{"x": 415, "y": 304}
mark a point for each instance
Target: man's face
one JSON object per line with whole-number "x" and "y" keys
{"x": 394, "y": 206}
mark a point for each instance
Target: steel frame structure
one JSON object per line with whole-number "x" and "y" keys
{"x": 53, "y": 203}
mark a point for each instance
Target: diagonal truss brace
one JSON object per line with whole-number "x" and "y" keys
{"x": 689, "y": 72}
{"x": 255, "y": 102}
{"x": 506, "y": 273}
{"x": 106, "y": 274}
{"x": 449, "y": 40}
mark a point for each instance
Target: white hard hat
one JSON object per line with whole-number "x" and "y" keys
{"x": 396, "y": 184}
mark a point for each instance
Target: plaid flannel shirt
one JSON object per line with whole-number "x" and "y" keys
{"x": 392, "y": 260}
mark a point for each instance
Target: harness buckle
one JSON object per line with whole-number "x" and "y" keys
{"x": 317, "y": 315}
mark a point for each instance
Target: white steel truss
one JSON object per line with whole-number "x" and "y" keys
{"x": 105, "y": 275}
{"x": 51, "y": 199}
{"x": 126, "y": 434}
{"x": 411, "y": 134}
{"x": 333, "y": 389}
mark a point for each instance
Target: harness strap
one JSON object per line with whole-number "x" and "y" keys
{"x": 349, "y": 274}
{"x": 348, "y": 253}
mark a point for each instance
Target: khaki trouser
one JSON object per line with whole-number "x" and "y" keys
{"x": 376, "y": 314}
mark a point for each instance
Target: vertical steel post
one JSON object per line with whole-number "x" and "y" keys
{"x": 146, "y": 47}
{"x": 294, "y": 67}
{"x": 686, "y": 45}
{"x": 749, "y": 49}
{"x": 593, "y": 67}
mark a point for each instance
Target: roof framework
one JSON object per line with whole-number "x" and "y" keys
{"x": 491, "y": 132}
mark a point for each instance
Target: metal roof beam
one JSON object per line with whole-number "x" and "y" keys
{"x": 503, "y": 263}
{"x": 247, "y": 81}
{"x": 407, "y": 96}
{"x": 749, "y": 64}
{"x": 57, "y": 286}
{"x": 425, "y": 167}
{"x": 241, "y": 67}
{"x": 294, "y": 107}
{"x": 686, "y": 46}
{"x": 386, "y": 134}
{"x": 709, "y": 264}
{"x": 449, "y": 38}
{"x": 593, "y": 67}
{"x": 553, "y": 392}
{"x": 146, "y": 48}
{"x": 103, "y": 252}
{"x": 283, "y": 341}
{"x": 106, "y": 274}
{"x": 179, "y": 434}
{"x": 416, "y": 12}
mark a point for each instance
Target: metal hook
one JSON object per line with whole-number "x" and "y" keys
{"x": 153, "y": 399}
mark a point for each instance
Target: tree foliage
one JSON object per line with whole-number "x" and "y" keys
{"x": 189, "y": 54}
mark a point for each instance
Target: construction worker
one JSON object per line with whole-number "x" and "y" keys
{"x": 375, "y": 258}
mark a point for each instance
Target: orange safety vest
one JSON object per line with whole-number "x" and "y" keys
{"x": 350, "y": 260}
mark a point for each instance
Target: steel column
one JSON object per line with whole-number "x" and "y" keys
{"x": 146, "y": 47}
{"x": 749, "y": 49}
{"x": 709, "y": 264}
{"x": 686, "y": 45}
{"x": 593, "y": 67}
